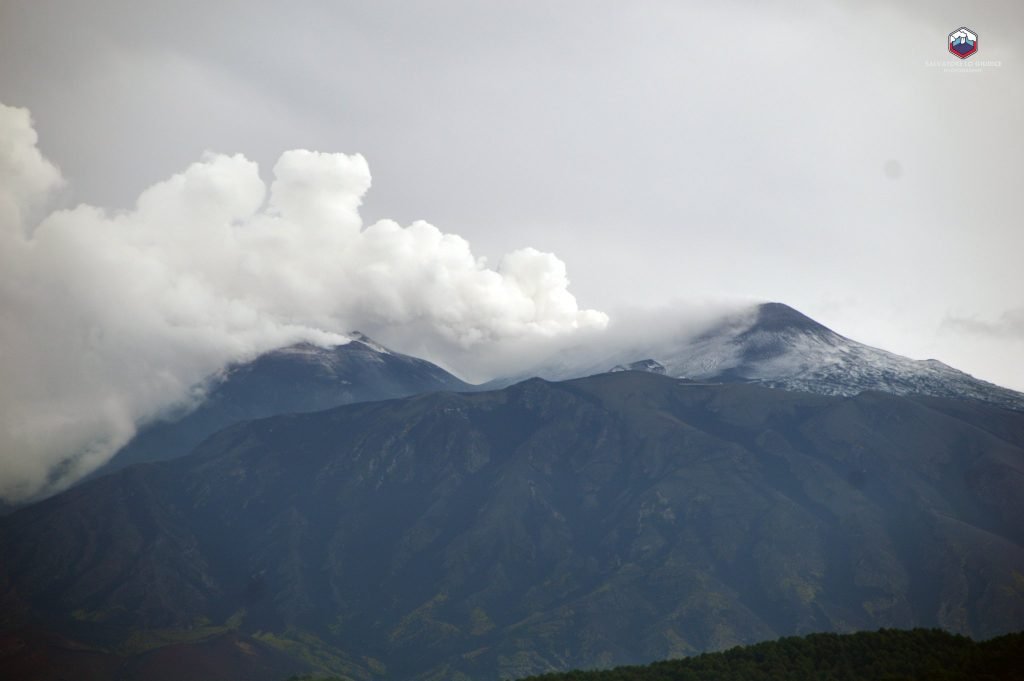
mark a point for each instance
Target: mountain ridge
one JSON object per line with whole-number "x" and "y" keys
{"x": 613, "y": 519}
{"x": 780, "y": 347}
{"x": 302, "y": 377}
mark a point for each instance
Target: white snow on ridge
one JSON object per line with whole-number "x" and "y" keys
{"x": 370, "y": 343}
{"x": 777, "y": 346}
{"x": 796, "y": 353}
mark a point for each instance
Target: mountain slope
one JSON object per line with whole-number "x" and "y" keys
{"x": 611, "y": 520}
{"x": 786, "y": 349}
{"x": 777, "y": 346}
{"x": 299, "y": 378}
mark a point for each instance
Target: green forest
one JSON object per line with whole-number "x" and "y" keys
{"x": 884, "y": 655}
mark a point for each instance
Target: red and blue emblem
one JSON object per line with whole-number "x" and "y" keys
{"x": 963, "y": 42}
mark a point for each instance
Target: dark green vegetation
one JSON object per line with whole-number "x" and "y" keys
{"x": 301, "y": 378}
{"x": 612, "y": 520}
{"x": 885, "y": 655}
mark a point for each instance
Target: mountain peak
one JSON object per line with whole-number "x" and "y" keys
{"x": 648, "y": 365}
{"x": 777, "y": 317}
{"x": 315, "y": 350}
{"x": 781, "y": 347}
{"x": 360, "y": 337}
{"x": 302, "y": 377}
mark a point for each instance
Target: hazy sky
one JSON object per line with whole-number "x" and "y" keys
{"x": 801, "y": 152}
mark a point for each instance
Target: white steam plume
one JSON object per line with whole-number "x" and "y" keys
{"x": 107, "y": 319}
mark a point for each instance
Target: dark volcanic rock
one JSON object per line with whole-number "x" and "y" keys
{"x": 621, "y": 518}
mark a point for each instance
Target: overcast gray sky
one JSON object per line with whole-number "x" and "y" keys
{"x": 801, "y": 152}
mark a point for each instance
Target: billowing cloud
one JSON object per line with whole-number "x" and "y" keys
{"x": 109, "y": 318}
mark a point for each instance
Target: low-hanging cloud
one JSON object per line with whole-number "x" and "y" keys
{"x": 1009, "y": 325}
{"x": 109, "y": 318}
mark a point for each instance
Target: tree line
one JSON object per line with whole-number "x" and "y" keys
{"x": 884, "y": 655}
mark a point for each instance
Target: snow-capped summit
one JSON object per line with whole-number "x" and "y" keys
{"x": 648, "y": 365}
{"x": 780, "y": 347}
{"x": 784, "y": 348}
